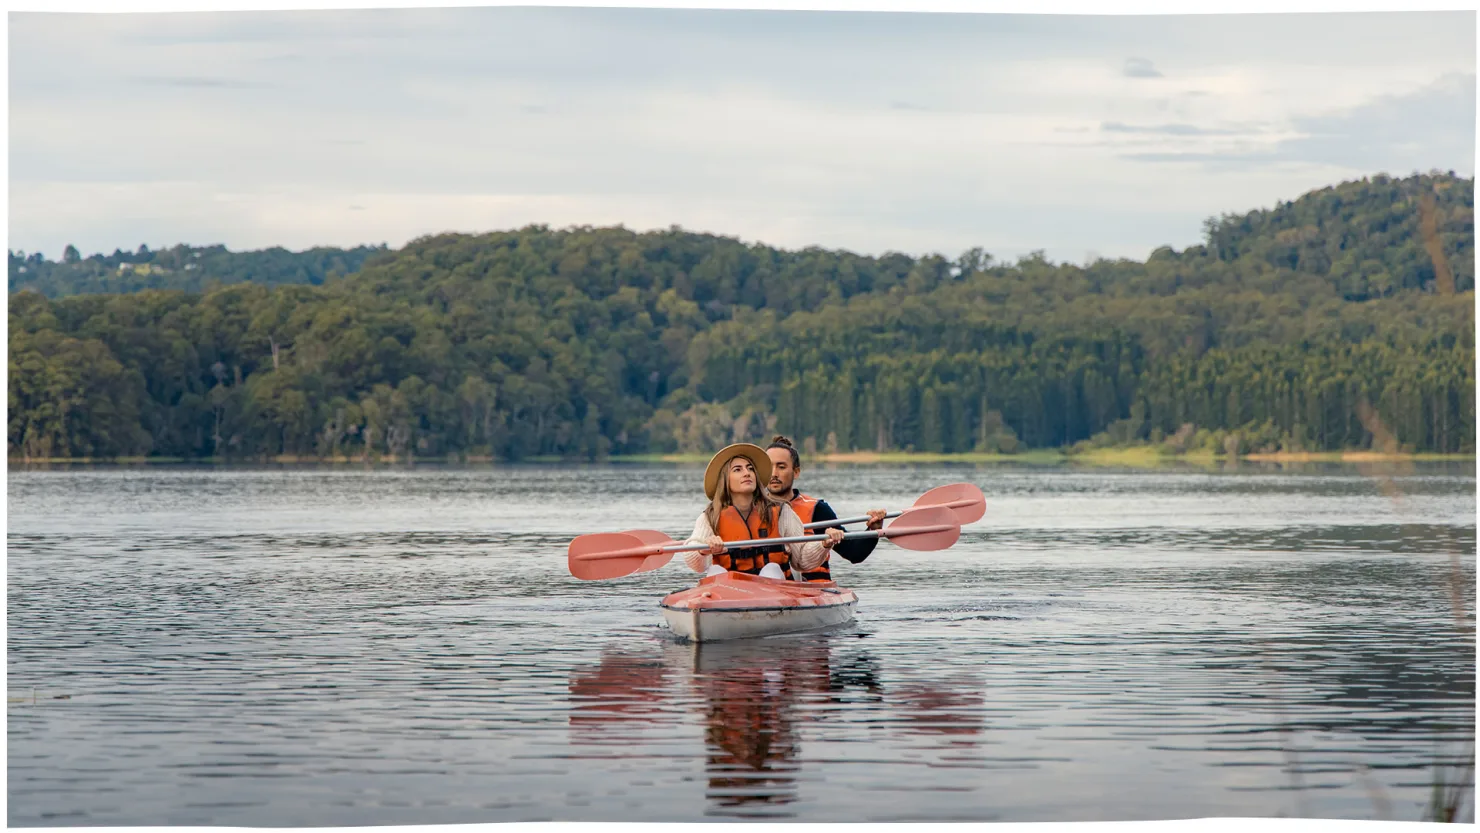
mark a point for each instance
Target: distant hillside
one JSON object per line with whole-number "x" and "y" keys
{"x": 1367, "y": 237}
{"x": 192, "y": 269}
{"x": 1371, "y": 238}
{"x": 584, "y": 342}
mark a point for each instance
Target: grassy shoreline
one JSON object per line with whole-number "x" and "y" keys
{"x": 1133, "y": 457}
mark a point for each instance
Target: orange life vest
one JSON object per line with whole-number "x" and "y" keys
{"x": 734, "y": 527}
{"x": 804, "y": 506}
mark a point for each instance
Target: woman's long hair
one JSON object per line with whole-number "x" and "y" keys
{"x": 769, "y": 504}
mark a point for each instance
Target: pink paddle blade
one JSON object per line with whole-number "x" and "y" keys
{"x": 603, "y": 555}
{"x": 924, "y": 530}
{"x": 657, "y": 539}
{"x": 965, "y": 501}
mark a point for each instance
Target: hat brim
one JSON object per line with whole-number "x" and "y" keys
{"x": 750, "y": 451}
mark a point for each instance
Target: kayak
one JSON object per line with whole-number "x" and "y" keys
{"x": 742, "y": 606}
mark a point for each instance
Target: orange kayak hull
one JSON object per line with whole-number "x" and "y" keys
{"x": 743, "y": 606}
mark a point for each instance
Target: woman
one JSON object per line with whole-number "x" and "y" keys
{"x": 742, "y": 508}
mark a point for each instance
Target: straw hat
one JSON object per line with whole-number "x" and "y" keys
{"x": 754, "y": 453}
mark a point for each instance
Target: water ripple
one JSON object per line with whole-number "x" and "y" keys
{"x": 318, "y": 646}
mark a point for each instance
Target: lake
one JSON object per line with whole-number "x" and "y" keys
{"x": 309, "y": 646}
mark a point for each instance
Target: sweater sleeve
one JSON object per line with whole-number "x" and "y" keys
{"x": 853, "y": 549}
{"x": 807, "y": 555}
{"x": 699, "y": 561}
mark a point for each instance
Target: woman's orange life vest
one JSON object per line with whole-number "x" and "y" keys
{"x": 804, "y": 506}
{"x": 736, "y": 527}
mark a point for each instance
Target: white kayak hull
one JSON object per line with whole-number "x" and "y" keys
{"x": 737, "y": 606}
{"x": 718, "y": 625}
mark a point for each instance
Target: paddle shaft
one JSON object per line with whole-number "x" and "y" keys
{"x": 755, "y": 542}
{"x": 861, "y": 518}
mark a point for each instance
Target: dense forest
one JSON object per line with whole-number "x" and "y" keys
{"x": 193, "y": 269}
{"x": 1287, "y": 329}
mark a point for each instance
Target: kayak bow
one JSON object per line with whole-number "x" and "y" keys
{"x": 738, "y": 606}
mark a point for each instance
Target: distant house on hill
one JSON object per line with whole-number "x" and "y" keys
{"x": 143, "y": 269}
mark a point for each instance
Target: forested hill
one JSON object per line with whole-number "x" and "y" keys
{"x": 1303, "y": 327}
{"x": 1364, "y": 236}
{"x": 1371, "y": 238}
{"x": 192, "y": 269}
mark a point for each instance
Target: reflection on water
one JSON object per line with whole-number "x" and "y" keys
{"x": 952, "y": 711}
{"x": 750, "y": 732}
{"x": 754, "y": 697}
{"x": 332, "y": 647}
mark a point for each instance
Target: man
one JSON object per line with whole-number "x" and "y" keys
{"x": 786, "y": 464}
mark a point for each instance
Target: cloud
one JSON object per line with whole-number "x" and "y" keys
{"x": 1231, "y": 160}
{"x": 1140, "y": 68}
{"x": 192, "y": 81}
{"x": 1168, "y": 129}
{"x": 866, "y": 131}
{"x": 1433, "y": 127}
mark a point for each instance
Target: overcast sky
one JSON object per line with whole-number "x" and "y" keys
{"x": 920, "y": 133}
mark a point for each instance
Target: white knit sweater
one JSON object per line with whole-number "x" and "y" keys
{"x": 804, "y": 556}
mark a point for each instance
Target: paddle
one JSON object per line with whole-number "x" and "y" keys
{"x": 658, "y": 539}
{"x": 604, "y": 555}
{"x": 964, "y": 500}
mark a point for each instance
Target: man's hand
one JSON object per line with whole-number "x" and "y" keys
{"x": 876, "y": 519}
{"x": 834, "y": 537}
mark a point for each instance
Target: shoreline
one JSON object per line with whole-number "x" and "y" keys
{"x": 1137, "y": 457}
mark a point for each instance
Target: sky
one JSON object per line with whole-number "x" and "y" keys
{"x": 1082, "y": 136}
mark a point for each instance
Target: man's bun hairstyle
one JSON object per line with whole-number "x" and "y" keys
{"x": 782, "y": 441}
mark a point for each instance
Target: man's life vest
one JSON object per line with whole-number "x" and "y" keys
{"x": 734, "y": 527}
{"x": 804, "y": 506}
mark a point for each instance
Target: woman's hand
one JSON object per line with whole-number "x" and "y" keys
{"x": 716, "y": 545}
{"x": 876, "y": 519}
{"x": 834, "y": 537}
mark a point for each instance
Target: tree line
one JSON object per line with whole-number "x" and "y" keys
{"x": 189, "y": 268}
{"x": 1273, "y": 334}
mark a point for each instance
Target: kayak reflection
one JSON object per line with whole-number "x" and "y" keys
{"x": 754, "y": 692}
{"x": 754, "y": 697}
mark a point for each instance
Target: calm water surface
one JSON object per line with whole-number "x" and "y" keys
{"x": 342, "y": 647}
